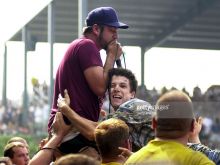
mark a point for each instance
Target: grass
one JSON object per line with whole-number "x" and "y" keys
{"x": 32, "y": 141}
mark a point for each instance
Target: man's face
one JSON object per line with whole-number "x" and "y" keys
{"x": 120, "y": 91}
{"x": 21, "y": 156}
{"x": 109, "y": 34}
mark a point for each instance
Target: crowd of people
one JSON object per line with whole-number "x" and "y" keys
{"x": 137, "y": 126}
{"x": 11, "y": 116}
{"x": 205, "y": 104}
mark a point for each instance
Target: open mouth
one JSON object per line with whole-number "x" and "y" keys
{"x": 117, "y": 97}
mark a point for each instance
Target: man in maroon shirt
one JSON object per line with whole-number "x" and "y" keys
{"x": 81, "y": 70}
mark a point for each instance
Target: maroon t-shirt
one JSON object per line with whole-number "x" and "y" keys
{"x": 81, "y": 54}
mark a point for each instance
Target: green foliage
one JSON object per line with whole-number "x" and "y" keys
{"x": 32, "y": 141}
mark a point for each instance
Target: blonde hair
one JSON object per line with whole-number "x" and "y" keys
{"x": 109, "y": 135}
{"x": 8, "y": 150}
{"x": 76, "y": 159}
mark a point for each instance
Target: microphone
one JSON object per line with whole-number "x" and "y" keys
{"x": 118, "y": 63}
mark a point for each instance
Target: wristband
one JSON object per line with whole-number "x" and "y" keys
{"x": 48, "y": 148}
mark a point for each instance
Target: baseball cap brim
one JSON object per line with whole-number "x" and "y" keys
{"x": 117, "y": 25}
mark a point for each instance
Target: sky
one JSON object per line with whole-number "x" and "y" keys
{"x": 163, "y": 66}
{"x": 15, "y": 14}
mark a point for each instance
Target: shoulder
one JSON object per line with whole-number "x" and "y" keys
{"x": 86, "y": 42}
{"x": 190, "y": 156}
{"x": 111, "y": 163}
{"x": 135, "y": 110}
{"x": 137, "y": 157}
{"x": 213, "y": 155}
{"x": 82, "y": 43}
{"x": 87, "y": 45}
{"x": 197, "y": 156}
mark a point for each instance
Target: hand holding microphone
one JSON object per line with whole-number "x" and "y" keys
{"x": 118, "y": 63}
{"x": 115, "y": 49}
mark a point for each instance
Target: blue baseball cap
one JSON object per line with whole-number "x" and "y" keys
{"x": 104, "y": 16}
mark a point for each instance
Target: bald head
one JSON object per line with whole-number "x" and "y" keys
{"x": 174, "y": 104}
{"x": 174, "y": 114}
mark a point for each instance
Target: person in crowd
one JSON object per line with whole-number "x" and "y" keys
{"x": 17, "y": 152}
{"x": 76, "y": 159}
{"x": 109, "y": 136}
{"x": 195, "y": 143}
{"x": 122, "y": 86}
{"x": 82, "y": 72}
{"x": 173, "y": 123}
{"x": 48, "y": 152}
{"x": 18, "y": 139}
{"x": 5, "y": 161}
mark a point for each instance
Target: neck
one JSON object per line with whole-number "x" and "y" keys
{"x": 182, "y": 140}
{"x": 115, "y": 108}
{"x": 92, "y": 37}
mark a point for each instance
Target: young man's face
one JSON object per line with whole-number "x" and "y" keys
{"x": 120, "y": 91}
{"x": 21, "y": 156}
{"x": 109, "y": 34}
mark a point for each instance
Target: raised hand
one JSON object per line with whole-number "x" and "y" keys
{"x": 63, "y": 103}
{"x": 114, "y": 49}
{"x": 59, "y": 127}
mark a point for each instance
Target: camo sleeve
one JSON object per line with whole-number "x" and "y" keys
{"x": 213, "y": 155}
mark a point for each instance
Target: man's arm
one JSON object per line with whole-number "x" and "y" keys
{"x": 97, "y": 76}
{"x": 212, "y": 154}
{"x": 46, "y": 153}
{"x": 194, "y": 136}
{"x": 195, "y": 144}
{"x": 84, "y": 126}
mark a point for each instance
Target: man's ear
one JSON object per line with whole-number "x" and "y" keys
{"x": 193, "y": 125}
{"x": 154, "y": 123}
{"x": 96, "y": 29}
{"x": 127, "y": 144}
{"x": 133, "y": 94}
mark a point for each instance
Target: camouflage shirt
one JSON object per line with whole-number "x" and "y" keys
{"x": 138, "y": 116}
{"x": 213, "y": 155}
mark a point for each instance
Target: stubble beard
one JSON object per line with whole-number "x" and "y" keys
{"x": 103, "y": 43}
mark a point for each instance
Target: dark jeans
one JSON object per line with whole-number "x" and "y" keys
{"x": 76, "y": 144}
